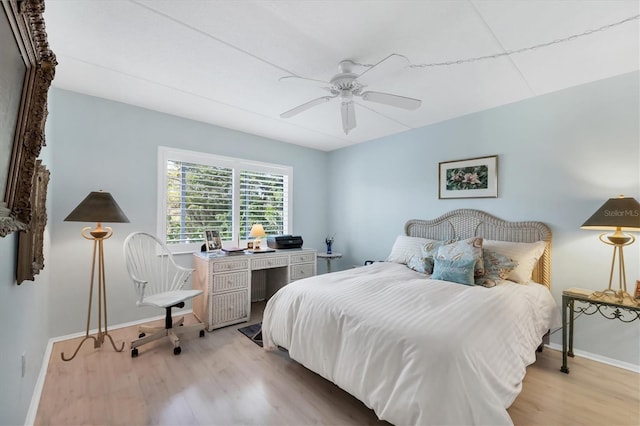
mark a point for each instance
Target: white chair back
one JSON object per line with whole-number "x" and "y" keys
{"x": 151, "y": 266}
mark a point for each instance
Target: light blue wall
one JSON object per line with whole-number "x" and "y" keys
{"x": 99, "y": 144}
{"x": 24, "y": 317}
{"x": 560, "y": 157}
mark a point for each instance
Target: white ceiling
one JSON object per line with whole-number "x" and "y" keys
{"x": 219, "y": 61}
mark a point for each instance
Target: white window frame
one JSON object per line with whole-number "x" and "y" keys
{"x": 236, "y": 164}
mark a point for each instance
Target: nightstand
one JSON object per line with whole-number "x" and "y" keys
{"x": 329, "y": 257}
{"x": 608, "y": 307}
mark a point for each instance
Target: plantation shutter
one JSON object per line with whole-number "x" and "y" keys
{"x": 199, "y": 197}
{"x": 264, "y": 199}
{"x": 200, "y": 192}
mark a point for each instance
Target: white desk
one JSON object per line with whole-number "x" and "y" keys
{"x": 231, "y": 282}
{"x": 329, "y": 257}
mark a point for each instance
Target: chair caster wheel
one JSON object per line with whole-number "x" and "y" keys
{"x": 176, "y": 351}
{"x": 141, "y": 335}
{"x": 201, "y": 333}
{"x": 134, "y": 353}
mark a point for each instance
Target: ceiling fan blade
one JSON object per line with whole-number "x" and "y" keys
{"x": 301, "y": 81}
{"x": 301, "y": 108}
{"x": 348, "y": 116}
{"x": 393, "y": 100}
{"x": 388, "y": 65}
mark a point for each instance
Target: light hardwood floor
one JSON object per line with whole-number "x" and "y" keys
{"x": 225, "y": 379}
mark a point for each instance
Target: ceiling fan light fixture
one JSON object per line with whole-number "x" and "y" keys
{"x": 348, "y": 116}
{"x": 346, "y": 84}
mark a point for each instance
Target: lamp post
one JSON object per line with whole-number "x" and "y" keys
{"x": 98, "y": 207}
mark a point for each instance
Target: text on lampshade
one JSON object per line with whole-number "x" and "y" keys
{"x": 618, "y": 213}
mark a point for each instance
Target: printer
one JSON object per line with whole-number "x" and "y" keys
{"x": 284, "y": 241}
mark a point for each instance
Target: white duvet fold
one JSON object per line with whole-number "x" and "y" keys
{"x": 415, "y": 350}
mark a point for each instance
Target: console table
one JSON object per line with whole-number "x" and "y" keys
{"x": 588, "y": 305}
{"x": 231, "y": 282}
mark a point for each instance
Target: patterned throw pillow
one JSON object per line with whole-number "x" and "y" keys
{"x": 457, "y": 271}
{"x": 525, "y": 254}
{"x": 424, "y": 265}
{"x": 470, "y": 248}
{"x": 496, "y": 268}
{"x": 429, "y": 251}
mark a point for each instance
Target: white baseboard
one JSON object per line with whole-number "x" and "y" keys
{"x": 37, "y": 391}
{"x": 599, "y": 358}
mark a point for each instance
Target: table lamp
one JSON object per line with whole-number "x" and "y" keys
{"x": 98, "y": 207}
{"x": 617, "y": 214}
{"x": 257, "y": 232}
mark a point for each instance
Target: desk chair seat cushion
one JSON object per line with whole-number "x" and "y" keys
{"x": 169, "y": 298}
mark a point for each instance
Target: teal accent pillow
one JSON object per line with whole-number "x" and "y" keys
{"x": 457, "y": 271}
{"x": 471, "y": 248}
{"x": 496, "y": 268}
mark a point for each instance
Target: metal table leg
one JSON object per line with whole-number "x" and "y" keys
{"x": 565, "y": 306}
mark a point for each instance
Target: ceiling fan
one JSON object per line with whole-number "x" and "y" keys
{"x": 346, "y": 85}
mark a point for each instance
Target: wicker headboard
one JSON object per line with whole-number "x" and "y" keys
{"x": 467, "y": 223}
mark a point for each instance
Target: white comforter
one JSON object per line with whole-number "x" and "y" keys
{"x": 415, "y": 350}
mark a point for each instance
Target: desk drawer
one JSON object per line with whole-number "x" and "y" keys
{"x": 231, "y": 265}
{"x": 302, "y": 257}
{"x": 231, "y": 281}
{"x": 268, "y": 262}
{"x": 300, "y": 271}
{"x": 228, "y": 308}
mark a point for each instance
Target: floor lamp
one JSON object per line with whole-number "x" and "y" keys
{"x": 617, "y": 214}
{"x": 97, "y": 207}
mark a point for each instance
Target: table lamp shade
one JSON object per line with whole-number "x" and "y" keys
{"x": 616, "y": 213}
{"x": 98, "y": 206}
{"x": 257, "y": 231}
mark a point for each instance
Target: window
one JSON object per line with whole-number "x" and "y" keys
{"x": 199, "y": 191}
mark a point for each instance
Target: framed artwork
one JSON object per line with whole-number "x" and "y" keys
{"x": 26, "y": 71}
{"x": 31, "y": 241}
{"x": 470, "y": 178}
{"x": 212, "y": 239}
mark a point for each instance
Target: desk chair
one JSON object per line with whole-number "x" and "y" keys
{"x": 158, "y": 281}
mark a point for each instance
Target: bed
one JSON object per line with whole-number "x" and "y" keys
{"x": 419, "y": 350}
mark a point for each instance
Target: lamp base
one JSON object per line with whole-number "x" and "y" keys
{"x": 619, "y": 296}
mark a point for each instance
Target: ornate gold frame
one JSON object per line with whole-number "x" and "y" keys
{"x": 30, "y": 253}
{"x": 26, "y": 22}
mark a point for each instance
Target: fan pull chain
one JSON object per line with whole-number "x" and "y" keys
{"x": 515, "y": 51}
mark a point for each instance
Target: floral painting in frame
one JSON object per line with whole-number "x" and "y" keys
{"x": 470, "y": 178}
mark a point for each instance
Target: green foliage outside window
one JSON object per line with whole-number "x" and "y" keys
{"x": 200, "y": 197}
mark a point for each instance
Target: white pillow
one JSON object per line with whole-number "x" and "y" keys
{"x": 405, "y": 248}
{"x": 526, "y": 254}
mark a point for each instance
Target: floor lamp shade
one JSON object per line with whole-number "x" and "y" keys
{"x": 98, "y": 206}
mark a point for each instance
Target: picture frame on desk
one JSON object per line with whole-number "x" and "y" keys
{"x": 212, "y": 240}
{"x": 636, "y": 294}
